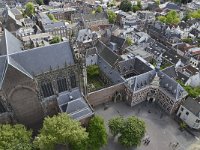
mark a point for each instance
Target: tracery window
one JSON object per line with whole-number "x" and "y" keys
{"x": 47, "y": 89}
{"x": 62, "y": 84}
{"x": 2, "y": 108}
{"x": 73, "y": 80}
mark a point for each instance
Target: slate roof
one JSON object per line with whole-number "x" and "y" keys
{"x": 172, "y": 6}
{"x": 171, "y": 86}
{"x": 118, "y": 40}
{"x": 109, "y": 71}
{"x": 140, "y": 81}
{"x": 168, "y": 84}
{"x": 85, "y": 35}
{"x": 54, "y": 56}
{"x": 106, "y": 53}
{"x": 93, "y": 17}
{"x": 15, "y": 11}
{"x": 170, "y": 71}
{"x": 74, "y": 104}
{"x": 9, "y": 44}
{"x": 91, "y": 51}
{"x": 192, "y": 105}
{"x": 34, "y": 61}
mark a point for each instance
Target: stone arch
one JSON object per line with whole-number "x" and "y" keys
{"x": 117, "y": 96}
{"x": 26, "y": 106}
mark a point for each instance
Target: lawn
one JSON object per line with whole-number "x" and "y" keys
{"x": 93, "y": 77}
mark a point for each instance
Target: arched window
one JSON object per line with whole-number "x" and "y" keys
{"x": 47, "y": 89}
{"x": 2, "y": 108}
{"x": 62, "y": 84}
{"x": 73, "y": 80}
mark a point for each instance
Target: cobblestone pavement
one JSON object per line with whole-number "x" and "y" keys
{"x": 161, "y": 128}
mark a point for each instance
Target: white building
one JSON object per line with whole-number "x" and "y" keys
{"x": 189, "y": 112}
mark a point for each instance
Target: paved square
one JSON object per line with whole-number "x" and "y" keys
{"x": 162, "y": 129}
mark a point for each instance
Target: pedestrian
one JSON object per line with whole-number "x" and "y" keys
{"x": 148, "y": 142}
{"x": 170, "y": 144}
{"x": 145, "y": 141}
{"x": 176, "y": 144}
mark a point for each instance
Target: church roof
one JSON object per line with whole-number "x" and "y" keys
{"x": 106, "y": 53}
{"x": 9, "y": 44}
{"x": 34, "y": 61}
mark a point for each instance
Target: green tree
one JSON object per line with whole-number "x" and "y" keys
{"x": 39, "y": 2}
{"x": 51, "y": 17}
{"x": 125, "y": 5}
{"x": 111, "y": 16}
{"x": 15, "y": 137}
{"x": 61, "y": 130}
{"x": 129, "y": 41}
{"x": 132, "y": 132}
{"x": 99, "y": 9}
{"x": 46, "y": 2}
{"x": 29, "y": 9}
{"x": 97, "y": 133}
{"x": 139, "y": 4}
{"x": 192, "y": 91}
{"x": 195, "y": 14}
{"x": 157, "y": 2}
{"x": 135, "y": 8}
{"x": 55, "y": 39}
{"x": 93, "y": 71}
{"x": 115, "y": 125}
{"x": 111, "y": 4}
{"x": 171, "y": 18}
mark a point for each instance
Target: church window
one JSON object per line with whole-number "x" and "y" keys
{"x": 62, "y": 85}
{"x": 187, "y": 113}
{"x": 2, "y": 109}
{"x": 47, "y": 89}
{"x": 197, "y": 121}
{"x": 182, "y": 108}
{"x": 73, "y": 81}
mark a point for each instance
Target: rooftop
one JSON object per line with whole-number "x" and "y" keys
{"x": 192, "y": 105}
{"x": 74, "y": 104}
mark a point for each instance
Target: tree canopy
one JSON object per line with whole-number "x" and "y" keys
{"x": 29, "y": 9}
{"x": 99, "y": 9}
{"x": 93, "y": 71}
{"x": 172, "y": 18}
{"x": 55, "y": 39}
{"x": 111, "y": 3}
{"x": 125, "y": 5}
{"x": 157, "y": 2}
{"x": 192, "y": 91}
{"x": 195, "y": 14}
{"x": 61, "y": 130}
{"x": 129, "y": 41}
{"x": 51, "y": 17}
{"x": 115, "y": 125}
{"x": 111, "y": 16}
{"x": 97, "y": 133}
{"x": 39, "y": 2}
{"x": 130, "y": 130}
{"x": 15, "y": 137}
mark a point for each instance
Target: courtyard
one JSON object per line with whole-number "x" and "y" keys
{"x": 161, "y": 128}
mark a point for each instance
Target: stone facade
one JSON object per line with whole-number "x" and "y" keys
{"x": 105, "y": 95}
{"x": 25, "y": 96}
